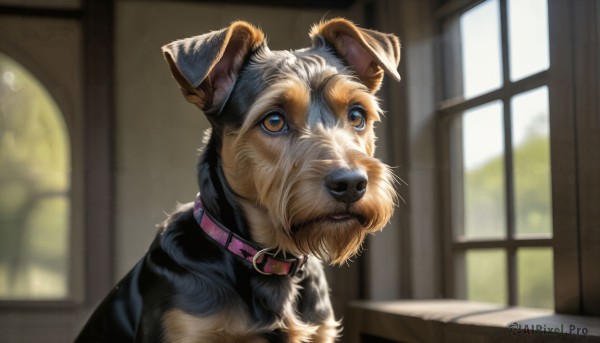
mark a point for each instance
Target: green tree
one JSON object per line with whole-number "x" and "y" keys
{"x": 484, "y": 199}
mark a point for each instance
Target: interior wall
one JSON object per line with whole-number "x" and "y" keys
{"x": 403, "y": 259}
{"x": 158, "y": 133}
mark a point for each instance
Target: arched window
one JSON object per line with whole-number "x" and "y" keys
{"x": 35, "y": 182}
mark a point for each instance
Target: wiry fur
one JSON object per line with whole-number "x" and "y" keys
{"x": 268, "y": 188}
{"x": 279, "y": 179}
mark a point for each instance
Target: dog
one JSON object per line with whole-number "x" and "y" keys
{"x": 287, "y": 180}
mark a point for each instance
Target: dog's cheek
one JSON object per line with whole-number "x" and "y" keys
{"x": 368, "y": 141}
{"x": 249, "y": 163}
{"x": 269, "y": 172}
{"x": 238, "y": 166}
{"x": 381, "y": 197}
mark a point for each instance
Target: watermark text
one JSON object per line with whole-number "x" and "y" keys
{"x": 517, "y": 329}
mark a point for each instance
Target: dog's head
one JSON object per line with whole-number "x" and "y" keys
{"x": 294, "y": 130}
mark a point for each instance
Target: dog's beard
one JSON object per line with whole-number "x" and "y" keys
{"x": 313, "y": 224}
{"x": 336, "y": 242}
{"x": 310, "y": 223}
{"x": 339, "y": 240}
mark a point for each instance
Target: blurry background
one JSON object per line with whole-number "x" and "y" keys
{"x": 495, "y": 128}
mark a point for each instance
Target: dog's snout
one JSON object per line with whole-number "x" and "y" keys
{"x": 347, "y": 185}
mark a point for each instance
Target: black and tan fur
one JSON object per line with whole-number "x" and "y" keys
{"x": 287, "y": 126}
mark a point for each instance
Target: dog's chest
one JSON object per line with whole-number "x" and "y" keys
{"x": 231, "y": 326}
{"x": 223, "y": 327}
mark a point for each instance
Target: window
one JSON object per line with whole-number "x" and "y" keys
{"x": 499, "y": 247}
{"x": 35, "y": 165}
{"x": 67, "y": 59}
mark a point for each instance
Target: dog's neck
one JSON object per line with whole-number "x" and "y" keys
{"x": 264, "y": 261}
{"x": 218, "y": 199}
{"x": 230, "y": 210}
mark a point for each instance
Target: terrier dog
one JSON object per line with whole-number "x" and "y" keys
{"x": 287, "y": 179}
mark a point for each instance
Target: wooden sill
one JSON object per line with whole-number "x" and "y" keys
{"x": 438, "y": 321}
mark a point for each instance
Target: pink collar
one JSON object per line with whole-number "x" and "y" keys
{"x": 264, "y": 262}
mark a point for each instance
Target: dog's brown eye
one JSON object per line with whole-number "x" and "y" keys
{"x": 356, "y": 118}
{"x": 274, "y": 123}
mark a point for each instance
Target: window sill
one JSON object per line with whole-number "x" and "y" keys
{"x": 462, "y": 321}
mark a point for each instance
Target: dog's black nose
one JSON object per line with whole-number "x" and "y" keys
{"x": 347, "y": 185}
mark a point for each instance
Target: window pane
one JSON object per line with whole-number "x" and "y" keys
{"x": 531, "y": 160}
{"x": 527, "y": 37}
{"x": 486, "y": 275}
{"x": 34, "y": 186}
{"x": 535, "y": 275}
{"x": 481, "y": 57}
{"x": 483, "y": 166}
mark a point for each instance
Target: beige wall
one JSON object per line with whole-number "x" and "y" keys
{"x": 158, "y": 132}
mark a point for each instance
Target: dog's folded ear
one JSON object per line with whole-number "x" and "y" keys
{"x": 369, "y": 53}
{"x": 206, "y": 66}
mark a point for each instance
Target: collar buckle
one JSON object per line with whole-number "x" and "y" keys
{"x": 259, "y": 265}
{"x": 266, "y": 263}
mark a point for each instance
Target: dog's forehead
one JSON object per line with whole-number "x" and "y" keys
{"x": 309, "y": 65}
{"x": 311, "y": 69}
